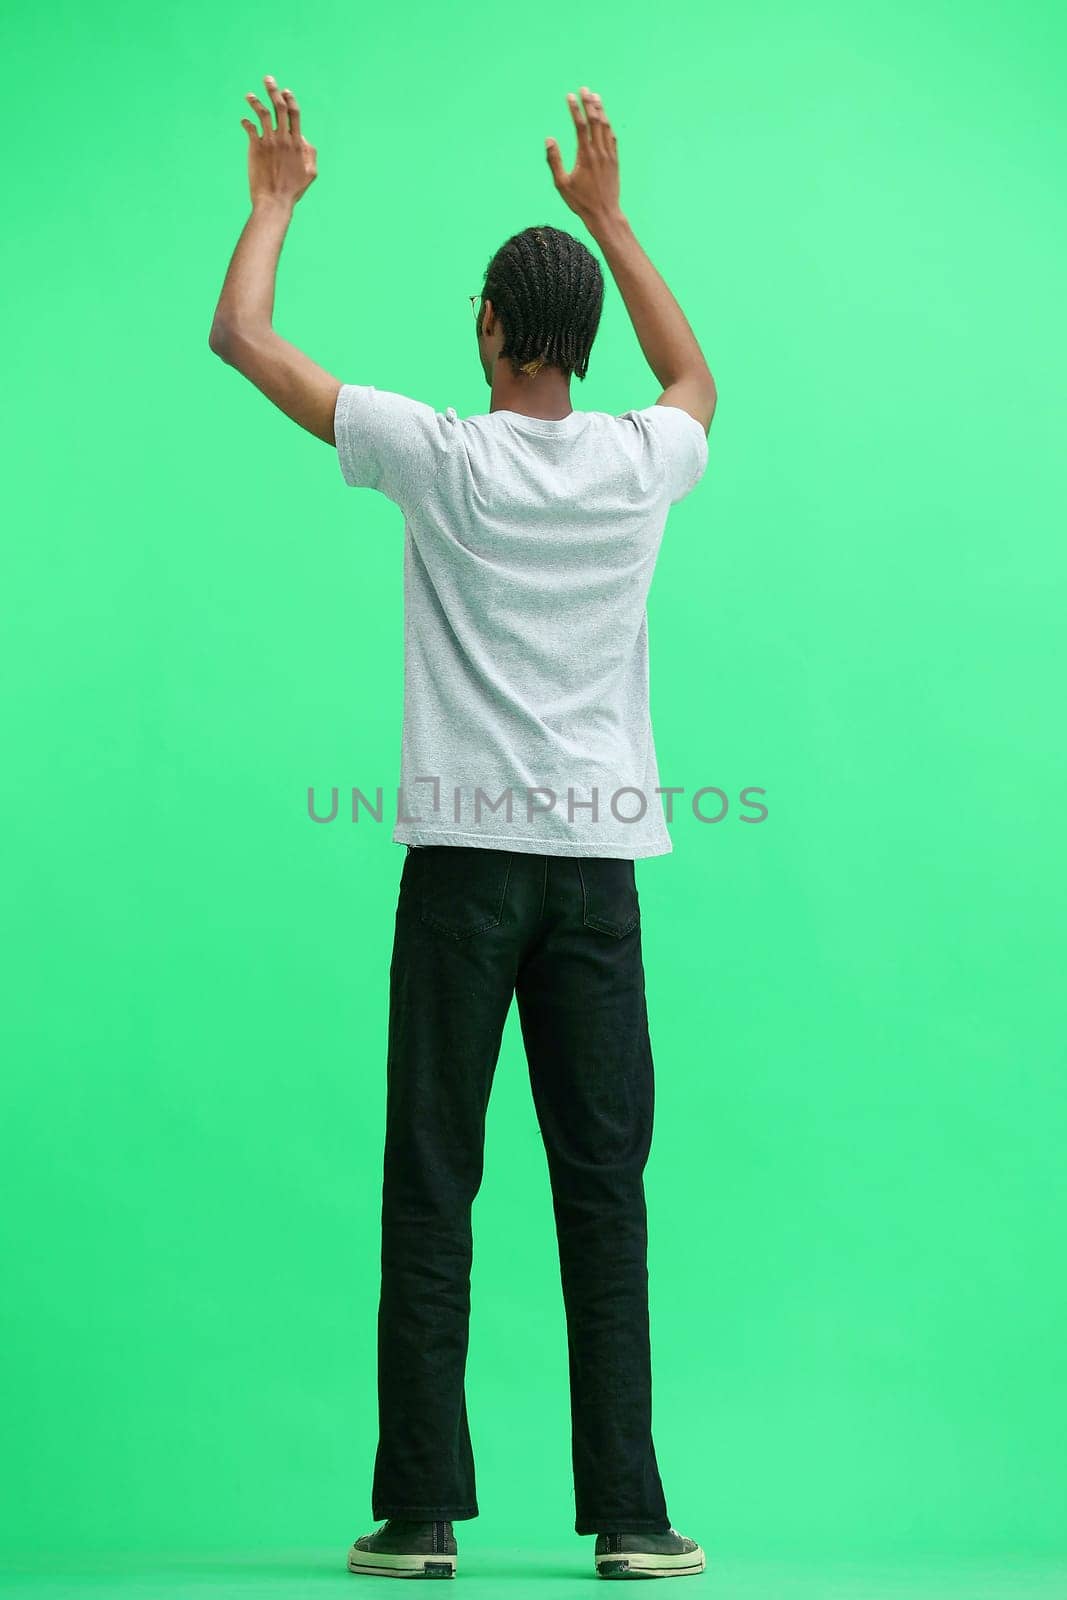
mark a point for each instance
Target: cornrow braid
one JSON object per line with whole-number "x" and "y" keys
{"x": 549, "y": 292}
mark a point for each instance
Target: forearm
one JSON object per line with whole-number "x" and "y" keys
{"x": 246, "y": 304}
{"x": 668, "y": 342}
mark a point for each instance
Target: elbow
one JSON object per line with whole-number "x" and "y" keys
{"x": 218, "y": 340}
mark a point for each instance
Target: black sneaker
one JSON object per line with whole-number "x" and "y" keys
{"x": 401, "y": 1549}
{"x": 647, "y": 1555}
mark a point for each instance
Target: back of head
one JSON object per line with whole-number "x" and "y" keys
{"x": 548, "y": 291}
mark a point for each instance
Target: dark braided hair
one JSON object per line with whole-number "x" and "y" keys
{"x": 549, "y": 291}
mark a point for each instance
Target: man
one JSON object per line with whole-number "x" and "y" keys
{"x": 531, "y": 534}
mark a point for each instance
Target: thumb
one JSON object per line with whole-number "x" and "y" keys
{"x": 555, "y": 162}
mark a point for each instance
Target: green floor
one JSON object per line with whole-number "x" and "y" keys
{"x": 515, "y": 1571}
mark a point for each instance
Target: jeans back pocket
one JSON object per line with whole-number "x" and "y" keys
{"x": 461, "y": 887}
{"x": 609, "y": 894}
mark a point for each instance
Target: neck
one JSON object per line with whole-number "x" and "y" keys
{"x": 546, "y": 394}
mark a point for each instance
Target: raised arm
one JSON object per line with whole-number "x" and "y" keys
{"x": 281, "y": 167}
{"x": 591, "y": 191}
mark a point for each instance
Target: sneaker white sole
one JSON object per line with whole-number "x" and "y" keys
{"x": 377, "y": 1564}
{"x": 641, "y": 1564}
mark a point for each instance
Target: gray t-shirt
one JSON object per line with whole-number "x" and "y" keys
{"x": 529, "y": 547}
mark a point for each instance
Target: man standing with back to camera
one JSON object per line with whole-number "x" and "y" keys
{"x": 531, "y": 535}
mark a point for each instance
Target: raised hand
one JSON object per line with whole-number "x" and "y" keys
{"x": 592, "y": 188}
{"x": 281, "y": 163}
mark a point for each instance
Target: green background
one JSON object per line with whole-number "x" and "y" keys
{"x": 856, "y": 1193}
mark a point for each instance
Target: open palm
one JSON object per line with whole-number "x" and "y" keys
{"x": 591, "y": 189}
{"x": 281, "y": 163}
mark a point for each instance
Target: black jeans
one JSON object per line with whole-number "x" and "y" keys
{"x": 563, "y": 934}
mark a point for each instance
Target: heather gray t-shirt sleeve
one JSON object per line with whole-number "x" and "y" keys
{"x": 683, "y": 446}
{"x": 389, "y": 442}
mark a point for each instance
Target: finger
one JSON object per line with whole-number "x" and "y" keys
{"x": 579, "y": 121}
{"x": 261, "y": 112}
{"x": 555, "y": 160}
{"x": 294, "y": 113}
{"x": 610, "y": 140}
{"x": 610, "y": 143}
{"x": 251, "y": 128}
{"x": 281, "y": 110}
{"x": 591, "y": 103}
